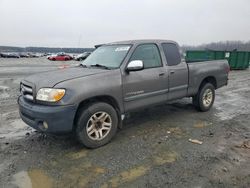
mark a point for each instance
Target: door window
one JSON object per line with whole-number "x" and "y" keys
{"x": 149, "y": 54}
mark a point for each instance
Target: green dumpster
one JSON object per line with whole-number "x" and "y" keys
{"x": 239, "y": 60}
{"x": 198, "y": 55}
{"x": 236, "y": 59}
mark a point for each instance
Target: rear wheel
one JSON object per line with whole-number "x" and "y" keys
{"x": 96, "y": 125}
{"x": 204, "y": 99}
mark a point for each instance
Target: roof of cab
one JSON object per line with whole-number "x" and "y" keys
{"x": 142, "y": 41}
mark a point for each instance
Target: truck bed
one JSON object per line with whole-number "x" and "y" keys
{"x": 198, "y": 71}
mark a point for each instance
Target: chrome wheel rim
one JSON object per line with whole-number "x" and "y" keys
{"x": 99, "y": 125}
{"x": 207, "y": 97}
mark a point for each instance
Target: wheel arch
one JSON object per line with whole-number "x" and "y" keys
{"x": 209, "y": 79}
{"x": 101, "y": 98}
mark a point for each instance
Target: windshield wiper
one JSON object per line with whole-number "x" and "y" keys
{"x": 101, "y": 66}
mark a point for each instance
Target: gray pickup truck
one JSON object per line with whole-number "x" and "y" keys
{"x": 93, "y": 98}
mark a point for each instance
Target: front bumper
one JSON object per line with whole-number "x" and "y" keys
{"x": 58, "y": 118}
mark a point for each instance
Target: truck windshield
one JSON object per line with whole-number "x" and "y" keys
{"x": 110, "y": 56}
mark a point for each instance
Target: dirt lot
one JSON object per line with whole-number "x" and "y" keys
{"x": 152, "y": 150}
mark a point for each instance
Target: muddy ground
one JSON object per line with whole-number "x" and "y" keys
{"x": 152, "y": 150}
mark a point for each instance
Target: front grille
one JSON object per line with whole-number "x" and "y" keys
{"x": 26, "y": 91}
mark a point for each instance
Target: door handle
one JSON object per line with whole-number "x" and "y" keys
{"x": 161, "y": 74}
{"x": 172, "y": 72}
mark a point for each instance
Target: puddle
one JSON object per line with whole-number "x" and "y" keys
{"x": 231, "y": 104}
{"x": 4, "y": 166}
{"x": 127, "y": 176}
{"x": 165, "y": 157}
{"x": 176, "y": 131}
{"x": 14, "y": 130}
{"x": 22, "y": 180}
{"x": 77, "y": 155}
{"x": 32, "y": 179}
{"x": 39, "y": 179}
{"x": 138, "y": 171}
{"x": 90, "y": 176}
{"x": 221, "y": 146}
{"x": 4, "y": 91}
{"x": 81, "y": 175}
{"x": 201, "y": 124}
{"x": 4, "y": 88}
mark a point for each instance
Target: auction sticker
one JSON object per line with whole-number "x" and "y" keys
{"x": 126, "y": 48}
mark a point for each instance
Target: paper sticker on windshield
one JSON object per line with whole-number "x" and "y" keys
{"x": 122, "y": 49}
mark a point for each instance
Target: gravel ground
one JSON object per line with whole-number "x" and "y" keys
{"x": 152, "y": 150}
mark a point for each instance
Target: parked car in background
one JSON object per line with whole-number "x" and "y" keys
{"x": 60, "y": 57}
{"x": 31, "y": 54}
{"x": 82, "y": 56}
{"x": 10, "y": 55}
{"x": 50, "y": 55}
{"x": 47, "y": 54}
{"x": 23, "y": 54}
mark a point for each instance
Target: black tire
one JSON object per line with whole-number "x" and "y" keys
{"x": 53, "y": 59}
{"x": 83, "y": 119}
{"x": 198, "y": 99}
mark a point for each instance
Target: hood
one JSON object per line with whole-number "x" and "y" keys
{"x": 51, "y": 78}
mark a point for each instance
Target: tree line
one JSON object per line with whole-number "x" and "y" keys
{"x": 220, "y": 46}
{"x": 44, "y": 49}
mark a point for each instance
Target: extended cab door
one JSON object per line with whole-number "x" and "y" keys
{"x": 178, "y": 71}
{"x": 147, "y": 86}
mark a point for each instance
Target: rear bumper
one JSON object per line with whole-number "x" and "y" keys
{"x": 58, "y": 118}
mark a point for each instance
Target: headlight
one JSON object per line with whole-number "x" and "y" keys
{"x": 50, "y": 94}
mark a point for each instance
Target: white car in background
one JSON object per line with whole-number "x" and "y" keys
{"x": 82, "y": 56}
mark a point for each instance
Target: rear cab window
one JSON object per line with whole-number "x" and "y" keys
{"x": 172, "y": 54}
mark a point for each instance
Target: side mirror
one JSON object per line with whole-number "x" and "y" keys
{"x": 135, "y": 65}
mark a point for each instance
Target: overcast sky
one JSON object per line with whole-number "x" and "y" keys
{"x": 84, "y": 23}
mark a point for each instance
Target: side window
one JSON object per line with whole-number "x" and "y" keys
{"x": 149, "y": 54}
{"x": 172, "y": 54}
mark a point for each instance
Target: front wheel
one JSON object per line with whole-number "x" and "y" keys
{"x": 96, "y": 125}
{"x": 204, "y": 99}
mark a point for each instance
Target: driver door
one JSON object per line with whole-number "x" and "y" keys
{"x": 148, "y": 86}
